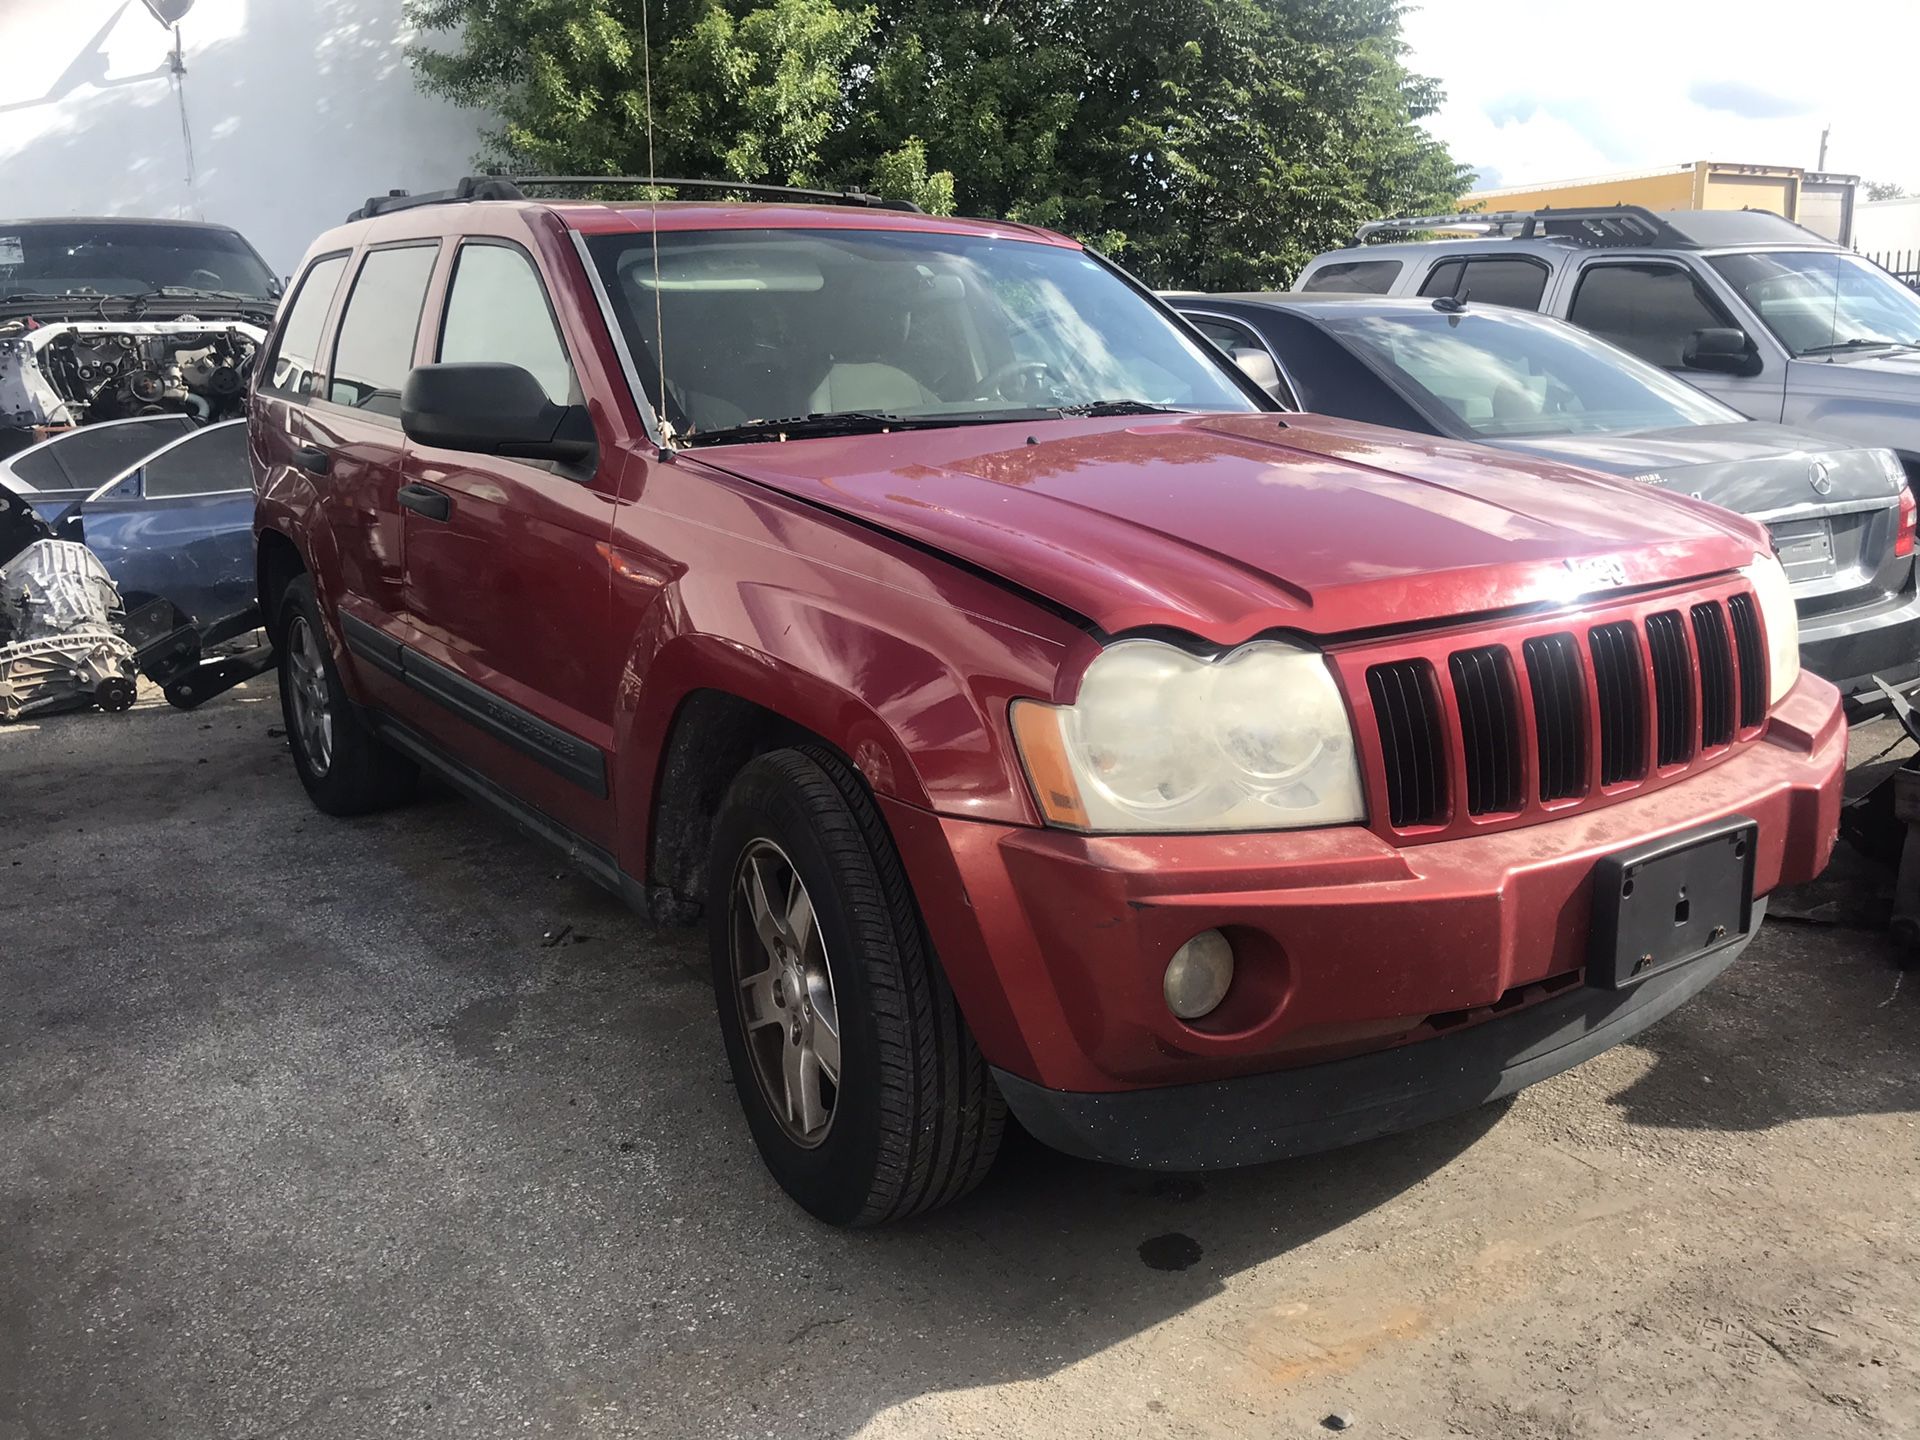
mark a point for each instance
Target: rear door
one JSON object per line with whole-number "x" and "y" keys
{"x": 508, "y": 587}
{"x": 179, "y": 526}
{"x": 356, "y": 426}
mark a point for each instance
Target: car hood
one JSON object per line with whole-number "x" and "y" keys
{"x": 1752, "y": 467}
{"x": 1226, "y": 526}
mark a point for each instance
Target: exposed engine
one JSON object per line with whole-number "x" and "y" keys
{"x": 81, "y": 372}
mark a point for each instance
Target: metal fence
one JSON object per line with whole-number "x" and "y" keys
{"x": 1903, "y": 265}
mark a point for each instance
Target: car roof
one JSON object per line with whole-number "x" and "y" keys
{"x": 108, "y": 222}
{"x": 638, "y": 217}
{"x": 1325, "y": 301}
{"x": 1692, "y": 231}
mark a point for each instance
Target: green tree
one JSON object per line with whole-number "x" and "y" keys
{"x": 1210, "y": 143}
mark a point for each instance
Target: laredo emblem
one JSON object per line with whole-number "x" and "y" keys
{"x": 1820, "y": 476}
{"x": 1597, "y": 570}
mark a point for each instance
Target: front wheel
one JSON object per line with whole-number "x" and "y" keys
{"x": 862, "y": 1086}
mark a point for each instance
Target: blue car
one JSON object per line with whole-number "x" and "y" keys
{"x": 167, "y": 507}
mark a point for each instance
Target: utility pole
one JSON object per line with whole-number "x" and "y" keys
{"x": 1823, "y": 148}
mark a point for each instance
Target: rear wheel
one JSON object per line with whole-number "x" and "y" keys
{"x": 862, "y": 1086}
{"x": 346, "y": 768}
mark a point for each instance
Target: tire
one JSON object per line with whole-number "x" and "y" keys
{"x": 917, "y": 1120}
{"x": 346, "y": 768}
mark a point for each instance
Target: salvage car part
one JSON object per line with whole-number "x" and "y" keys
{"x": 59, "y": 645}
{"x": 104, "y": 319}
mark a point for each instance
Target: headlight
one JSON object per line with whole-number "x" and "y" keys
{"x": 1159, "y": 739}
{"x": 1782, "y": 622}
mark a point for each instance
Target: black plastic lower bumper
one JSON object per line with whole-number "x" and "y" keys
{"x": 1319, "y": 1107}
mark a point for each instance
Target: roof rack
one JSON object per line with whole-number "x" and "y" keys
{"x": 1597, "y": 225}
{"x": 515, "y": 187}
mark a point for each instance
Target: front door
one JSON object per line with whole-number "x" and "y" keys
{"x": 507, "y": 576}
{"x": 1654, "y": 309}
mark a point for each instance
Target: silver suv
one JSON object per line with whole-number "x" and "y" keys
{"x": 1774, "y": 320}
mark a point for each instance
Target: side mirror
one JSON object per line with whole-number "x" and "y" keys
{"x": 1257, "y": 365}
{"x": 493, "y": 410}
{"x": 1725, "y": 351}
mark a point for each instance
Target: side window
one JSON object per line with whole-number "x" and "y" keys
{"x": 1511, "y": 282}
{"x": 1651, "y": 310}
{"x": 212, "y": 462}
{"x": 291, "y": 370}
{"x": 1231, "y": 336}
{"x": 1516, "y": 283}
{"x": 1223, "y": 333}
{"x": 374, "y": 351}
{"x": 1444, "y": 278}
{"x": 86, "y": 458}
{"x": 1355, "y": 277}
{"x": 497, "y": 310}
{"x": 1331, "y": 380}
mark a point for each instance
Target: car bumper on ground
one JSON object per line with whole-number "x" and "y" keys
{"x": 1855, "y": 647}
{"x": 1412, "y": 980}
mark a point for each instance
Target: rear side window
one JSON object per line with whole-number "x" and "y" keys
{"x": 374, "y": 351}
{"x": 1518, "y": 284}
{"x": 291, "y": 370}
{"x": 1330, "y": 380}
{"x": 88, "y": 458}
{"x": 212, "y": 462}
{"x": 1651, "y": 310}
{"x": 497, "y": 311}
{"x": 1355, "y": 277}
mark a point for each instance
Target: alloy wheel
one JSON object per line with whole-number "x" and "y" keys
{"x": 783, "y": 985}
{"x": 307, "y": 681}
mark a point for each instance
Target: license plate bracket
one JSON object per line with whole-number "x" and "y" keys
{"x": 1663, "y": 904}
{"x": 1804, "y": 547}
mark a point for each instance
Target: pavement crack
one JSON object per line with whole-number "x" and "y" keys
{"x": 806, "y": 1330}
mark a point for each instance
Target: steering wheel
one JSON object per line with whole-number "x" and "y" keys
{"x": 204, "y": 280}
{"x": 1030, "y": 388}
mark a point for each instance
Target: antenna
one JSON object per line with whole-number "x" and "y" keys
{"x": 653, "y": 215}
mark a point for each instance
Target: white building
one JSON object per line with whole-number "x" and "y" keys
{"x": 1888, "y": 227}
{"x": 295, "y": 111}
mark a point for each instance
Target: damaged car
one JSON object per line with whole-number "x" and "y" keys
{"x": 1044, "y": 723}
{"x": 171, "y": 534}
{"x": 109, "y": 319}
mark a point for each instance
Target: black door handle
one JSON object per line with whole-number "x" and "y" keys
{"x": 427, "y": 501}
{"x": 314, "y": 462}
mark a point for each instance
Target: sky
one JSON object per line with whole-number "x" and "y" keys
{"x": 1558, "y": 89}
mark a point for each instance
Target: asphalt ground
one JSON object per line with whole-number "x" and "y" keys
{"x": 312, "y": 1128}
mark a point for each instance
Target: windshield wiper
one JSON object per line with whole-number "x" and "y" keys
{"x": 1859, "y": 343}
{"x": 1095, "y": 408}
{"x": 841, "y": 422}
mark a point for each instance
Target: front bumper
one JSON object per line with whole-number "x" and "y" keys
{"x": 1257, "y": 1118}
{"x": 1056, "y": 944}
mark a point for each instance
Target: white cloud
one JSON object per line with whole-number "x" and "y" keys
{"x": 1559, "y": 89}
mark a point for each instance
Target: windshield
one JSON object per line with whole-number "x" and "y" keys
{"x": 119, "y": 258}
{"x": 1501, "y": 375}
{"x": 780, "y": 324}
{"x": 1822, "y": 302}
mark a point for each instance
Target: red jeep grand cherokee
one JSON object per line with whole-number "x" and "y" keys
{"x": 1044, "y": 723}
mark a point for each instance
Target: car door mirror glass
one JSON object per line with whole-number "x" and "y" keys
{"x": 492, "y": 409}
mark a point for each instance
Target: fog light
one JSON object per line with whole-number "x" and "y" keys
{"x": 1199, "y": 974}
